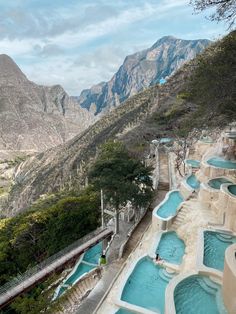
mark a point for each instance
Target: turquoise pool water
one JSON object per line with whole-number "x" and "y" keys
{"x": 207, "y": 139}
{"x": 215, "y": 244}
{"x": 171, "y": 248}
{"x": 221, "y": 163}
{"x": 232, "y": 189}
{"x": 165, "y": 140}
{"x": 216, "y": 183}
{"x": 91, "y": 257}
{"x": 193, "y": 163}
{"x": 93, "y": 254}
{"x": 170, "y": 206}
{"x": 123, "y": 311}
{"x": 198, "y": 295}
{"x": 146, "y": 286}
{"x": 193, "y": 182}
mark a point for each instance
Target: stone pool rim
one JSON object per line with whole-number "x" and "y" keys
{"x": 228, "y": 191}
{"x": 200, "y": 249}
{"x": 155, "y": 210}
{"x": 127, "y": 305}
{"x": 191, "y": 189}
{"x": 69, "y": 275}
{"x": 170, "y": 289}
{"x": 216, "y": 178}
{"x": 205, "y": 162}
{"x": 155, "y": 244}
{"x": 190, "y": 166}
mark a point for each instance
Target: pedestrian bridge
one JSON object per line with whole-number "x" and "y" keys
{"x": 40, "y": 272}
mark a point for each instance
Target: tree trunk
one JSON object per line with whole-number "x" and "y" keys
{"x": 117, "y": 229}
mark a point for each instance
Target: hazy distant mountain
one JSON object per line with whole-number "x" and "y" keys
{"x": 33, "y": 116}
{"x": 141, "y": 70}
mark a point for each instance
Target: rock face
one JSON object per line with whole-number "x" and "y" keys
{"x": 34, "y": 117}
{"x": 141, "y": 70}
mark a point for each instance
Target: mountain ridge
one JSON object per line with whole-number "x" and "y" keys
{"x": 141, "y": 70}
{"x": 151, "y": 114}
{"x": 35, "y": 117}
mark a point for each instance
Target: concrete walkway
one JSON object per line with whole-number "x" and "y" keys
{"x": 89, "y": 305}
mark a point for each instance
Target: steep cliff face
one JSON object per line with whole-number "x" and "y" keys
{"x": 34, "y": 117}
{"x": 141, "y": 70}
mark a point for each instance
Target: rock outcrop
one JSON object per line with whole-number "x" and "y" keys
{"x": 34, "y": 117}
{"x": 141, "y": 70}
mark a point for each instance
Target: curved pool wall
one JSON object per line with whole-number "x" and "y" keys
{"x": 226, "y": 203}
{"x": 217, "y": 182}
{"x": 215, "y": 245}
{"x": 86, "y": 263}
{"x": 219, "y": 162}
{"x": 163, "y": 214}
{"x": 189, "y": 185}
{"x": 193, "y": 163}
{"x": 229, "y": 279}
{"x": 193, "y": 306}
{"x": 144, "y": 287}
{"x": 210, "y": 168}
{"x": 198, "y": 294}
{"x": 209, "y": 191}
{"x": 170, "y": 248}
{"x": 232, "y": 189}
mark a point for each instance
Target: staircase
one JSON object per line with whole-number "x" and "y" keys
{"x": 180, "y": 219}
{"x": 81, "y": 289}
{"x": 163, "y": 172}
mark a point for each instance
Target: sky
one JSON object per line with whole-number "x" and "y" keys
{"x": 79, "y": 43}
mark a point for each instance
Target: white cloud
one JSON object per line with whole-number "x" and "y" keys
{"x": 78, "y": 45}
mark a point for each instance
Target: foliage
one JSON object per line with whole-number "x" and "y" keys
{"x": 121, "y": 177}
{"x": 38, "y": 300}
{"x": 34, "y": 235}
{"x": 212, "y": 85}
{"x": 225, "y": 9}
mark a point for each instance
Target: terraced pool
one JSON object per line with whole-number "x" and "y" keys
{"x": 171, "y": 248}
{"x": 215, "y": 244}
{"x": 198, "y": 295}
{"x": 146, "y": 285}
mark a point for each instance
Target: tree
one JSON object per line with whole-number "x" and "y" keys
{"x": 121, "y": 177}
{"x": 186, "y": 136}
{"x": 225, "y": 9}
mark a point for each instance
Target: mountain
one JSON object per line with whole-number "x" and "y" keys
{"x": 141, "y": 70}
{"x": 201, "y": 94}
{"x": 34, "y": 117}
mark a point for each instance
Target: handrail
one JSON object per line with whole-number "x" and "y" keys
{"x": 34, "y": 270}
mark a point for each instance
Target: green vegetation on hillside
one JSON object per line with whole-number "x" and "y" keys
{"x": 212, "y": 86}
{"x": 206, "y": 97}
{"x": 34, "y": 235}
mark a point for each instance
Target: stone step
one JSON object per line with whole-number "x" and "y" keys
{"x": 206, "y": 286}
{"x": 165, "y": 275}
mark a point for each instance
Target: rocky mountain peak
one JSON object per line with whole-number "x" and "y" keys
{"x": 9, "y": 71}
{"x": 35, "y": 117}
{"x": 141, "y": 70}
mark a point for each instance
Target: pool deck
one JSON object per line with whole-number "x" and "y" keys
{"x": 195, "y": 216}
{"x": 111, "y": 270}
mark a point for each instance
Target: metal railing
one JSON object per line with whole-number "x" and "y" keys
{"x": 34, "y": 270}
